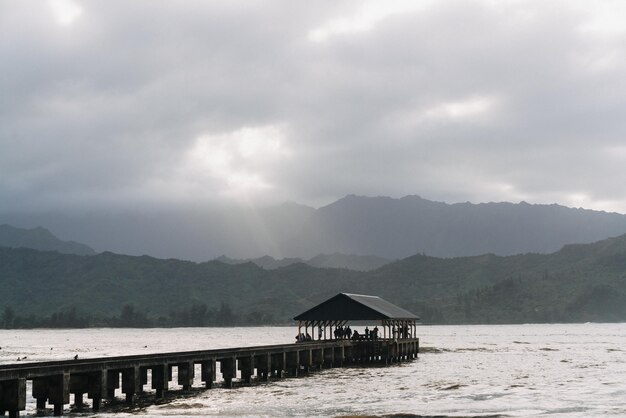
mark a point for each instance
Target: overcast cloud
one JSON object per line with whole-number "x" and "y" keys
{"x": 134, "y": 103}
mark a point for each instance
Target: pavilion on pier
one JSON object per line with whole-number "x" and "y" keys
{"x": 337, "y": 311}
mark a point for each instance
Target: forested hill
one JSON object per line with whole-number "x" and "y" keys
{"x": 40, "y": 239}
{"x": 578, "y": 283}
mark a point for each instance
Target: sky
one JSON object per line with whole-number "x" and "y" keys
{"x": 182, "y": 104}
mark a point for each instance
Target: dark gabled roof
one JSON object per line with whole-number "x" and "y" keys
{"x": 347, "y": 306}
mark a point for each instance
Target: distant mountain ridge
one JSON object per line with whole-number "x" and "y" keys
{"x": 380, "y": 226}
{"x": 398, "y": 228}
{"x": 40, "y": 239}
{"x": 336, "y": 260}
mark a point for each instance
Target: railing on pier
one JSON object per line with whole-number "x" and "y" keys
{"x": 99, "y": 378}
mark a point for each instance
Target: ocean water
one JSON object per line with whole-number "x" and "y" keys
{"x": 573, "y": 370}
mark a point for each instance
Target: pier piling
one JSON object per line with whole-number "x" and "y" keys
{"x": 207, "y": 372}
{"x": 228, "y": 367}
{"x": 263, "y": 364}
{"x": 246, "y": 366}
{"x": 186, "y": 374}
{"x": 160, "y": 379}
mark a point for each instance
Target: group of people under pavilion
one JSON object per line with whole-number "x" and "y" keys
{"x": 330, "y": 319}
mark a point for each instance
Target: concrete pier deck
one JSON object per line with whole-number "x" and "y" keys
{"x": 99, "y": 378}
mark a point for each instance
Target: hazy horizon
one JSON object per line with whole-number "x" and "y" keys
{"x": 391, "y": 228}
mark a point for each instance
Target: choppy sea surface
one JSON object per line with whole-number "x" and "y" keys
{"x": 573, "y": 370}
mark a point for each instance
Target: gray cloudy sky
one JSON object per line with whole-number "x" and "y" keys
{"x": 133, "y": 103}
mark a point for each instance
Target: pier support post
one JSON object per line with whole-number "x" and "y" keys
{"x": 246, "y": 365}
{"x": 278, "y": 364}
{"x": 59, "y": 392}
{"x": 112, "y": 383}
{"x": 97, "y": 388}
{"x": 41, "y": 403}
{"x": 306, "y": 359}
{"x": 263, "y": 365}
{"x": 318, "y": 357}
{"x": 13, "y": 396}
{"x": 208, "y": 372}
{"x": 293, "y": 362}
{"x": 78, "y": 400}
{"x": 78, "y": 386}
{"x": 131, "y": 383}
{"x": 228, "y": 366}
{"x": 347, "y": 354}
{"x": 329, "y": 356}
{"x": 40, "y": 392}
{"x": 160, "y": 379}
{"x": 143, "y": 371}
{"x": 338, "y": 356}
{"x": 186, "y": 373}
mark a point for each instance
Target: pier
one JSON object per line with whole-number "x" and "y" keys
{"x": 99, "y": 379}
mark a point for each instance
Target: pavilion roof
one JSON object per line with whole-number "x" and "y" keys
{"x": 348, "y": 306}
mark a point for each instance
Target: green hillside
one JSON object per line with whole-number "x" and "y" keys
{"x": 577, "y": 283}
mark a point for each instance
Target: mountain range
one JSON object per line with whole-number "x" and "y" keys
{"x": 364, "y": 226}
{"x": 579, "y": 283}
